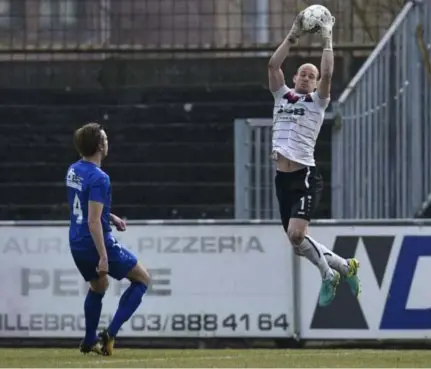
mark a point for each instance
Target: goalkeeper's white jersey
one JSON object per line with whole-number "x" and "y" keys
{"x": 297, "y": 120}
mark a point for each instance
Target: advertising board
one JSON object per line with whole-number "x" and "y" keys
{"x": 395, "y": 274}
{"x": 207, "y": 281}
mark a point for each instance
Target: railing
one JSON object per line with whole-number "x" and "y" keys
{"x": 254, "y": 170}
{"x": 255, "y": 196}
{"x": 380, "y": 155}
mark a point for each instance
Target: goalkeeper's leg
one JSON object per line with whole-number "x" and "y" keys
{"x": 348, "y": 268}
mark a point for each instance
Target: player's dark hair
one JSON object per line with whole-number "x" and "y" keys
{"x": 88, "y": 139}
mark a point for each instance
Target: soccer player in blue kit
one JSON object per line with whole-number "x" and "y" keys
{"x": 95, "y": 251}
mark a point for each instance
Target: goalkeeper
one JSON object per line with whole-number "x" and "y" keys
{"x": 297, "y": 118}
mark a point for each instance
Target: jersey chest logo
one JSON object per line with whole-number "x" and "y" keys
{"x": 293, "y": 99}
{"x": 73, "y": 180}
{"x": 289, "y": 110}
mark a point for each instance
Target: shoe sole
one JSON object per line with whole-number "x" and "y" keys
{"x": 356, "y": 268}
{"x": 335, "y": 283}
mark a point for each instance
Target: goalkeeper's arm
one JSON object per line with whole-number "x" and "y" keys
{"x": 275, "y": 74}
{"x": 327, "y": 63}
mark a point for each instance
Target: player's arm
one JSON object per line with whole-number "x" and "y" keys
{"x": 327, "y": 63}
{"x": 119, "y": 223}
{"x": 275, "y": 74}
{"x": 95, "y": 209}
{"x": 97, "y": 197}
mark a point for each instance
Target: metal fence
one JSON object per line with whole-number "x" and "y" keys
{"x": 255, "y": 196}
{"x": 381, "y": 154}
{"x": 254, "y": 170}
{"x": 60, "y": 24}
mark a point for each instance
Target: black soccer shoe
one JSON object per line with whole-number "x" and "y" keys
{"x": 96, "y": 348}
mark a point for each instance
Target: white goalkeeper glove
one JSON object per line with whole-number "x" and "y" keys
{"x": 326, "y": 32}
{"x": 296, "y": 31}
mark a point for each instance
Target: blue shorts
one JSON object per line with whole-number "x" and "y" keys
{"x": 121, "y": 261}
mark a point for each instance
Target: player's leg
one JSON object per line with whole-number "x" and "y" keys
{"x": 302, "y": 245}
{"x": 292, "y": 199}
{"x": 123, "y": 264}
{"x": 335, "y": 261}
{"x": 86, "y": 264}
{"x": 93, "y": 310}
{"x": 296, "y": 232}
{"x": 348, "y": 268}
{"x": 290, "y": 193}
{"x": 310, "y": 185}
{"x": 130, "y": 299}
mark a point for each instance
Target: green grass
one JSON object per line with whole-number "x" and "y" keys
{"x": 133, "y": 358}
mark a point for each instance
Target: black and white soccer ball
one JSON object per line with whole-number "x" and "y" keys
{"x": 314, "y": 16}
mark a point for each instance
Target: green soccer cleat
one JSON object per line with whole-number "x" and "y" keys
{"x": 352, "y": 276}
{"x": 328, "y": 289}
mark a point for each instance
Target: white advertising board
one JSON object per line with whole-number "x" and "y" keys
{"x": 208, "y": 281}
{"x": 395, "y": 273}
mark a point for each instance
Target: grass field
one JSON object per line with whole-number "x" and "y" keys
{"x": 133, "y": 358}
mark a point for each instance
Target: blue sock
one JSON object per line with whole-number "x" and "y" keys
{"x": 129, "y": 302}
{"x": 92, "y": 309}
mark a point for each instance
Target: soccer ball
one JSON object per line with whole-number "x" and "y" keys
{"x": 313, "y": 15}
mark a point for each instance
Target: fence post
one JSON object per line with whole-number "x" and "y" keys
{"x": 415, "y": 115}
{"x": 242, "y": 177}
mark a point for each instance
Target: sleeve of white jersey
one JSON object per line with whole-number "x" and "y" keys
{"x": 323, "y": 103}
{"x": 283, "y": 90}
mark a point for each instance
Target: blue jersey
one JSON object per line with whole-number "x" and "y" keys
{"x": 85, "y": 182}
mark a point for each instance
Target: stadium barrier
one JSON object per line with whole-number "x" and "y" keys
{"x": 255, "y": 196}
{"x": 380, "y": 161}
{"x": 225, "y": 279}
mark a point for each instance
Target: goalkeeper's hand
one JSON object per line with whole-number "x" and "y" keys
{"x": 296, "y": 31}
{"x": 326, "y": 28}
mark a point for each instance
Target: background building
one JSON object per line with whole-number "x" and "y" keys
{"x": 167, "y": 79}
